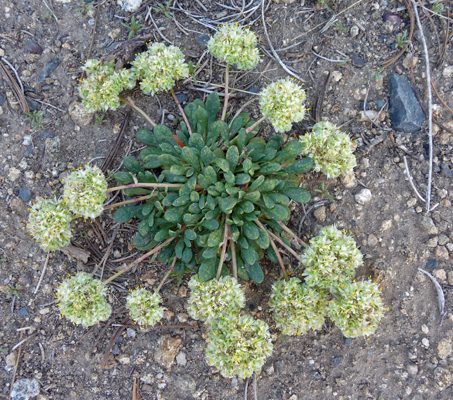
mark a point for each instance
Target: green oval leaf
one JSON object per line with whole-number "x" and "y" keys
{"x": 255, "y": 272}
{"x": 298, "y": 194}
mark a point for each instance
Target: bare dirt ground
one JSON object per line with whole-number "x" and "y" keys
{"x": 409, "y": 357}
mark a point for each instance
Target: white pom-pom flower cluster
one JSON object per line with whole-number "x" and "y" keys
{"x": 235, "y": 45}
{"x": 331, "y": 259}
{"x": 81, "y": 299}
{"x": 144, "y": 307}
{"x": 283, "y": 102}
{"x": 49, "y": 223}
{"x": 359, "y": 310}
{"x": 330, "y": 149}
{"x": 238, "y": 345}
{"x": 101, "y": 88}
{"x": 85, "y": 192}
{"x": 297, "y": 308}
{"x": 210, "y": 299}
{"x": 159, "y": 67}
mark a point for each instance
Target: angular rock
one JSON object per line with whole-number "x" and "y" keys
{"x": 320, "y": 214}
{"x": 2, "y": 99}
{"x": 357, "y": 61}
{"x": 13, "y": 174}
{"x": 166, "y": 353}
{"x": 349, "y": 181}
{"x": 442, "y": 377}
{"x": 442, "y": 252}
{"x": 48, "y": 69}
{"x": 405, "y": 110}
{"x": 364, "y": 196}
{"x": 444, "y": 348}
{"x": 186, "y": 383}
{"x": 203, "y": 40}
{"x": 25, "y": 389}
{"x": 24, "y": 194}
{"x": 431, "y": 263}
{"x": 53, "y": 145}
{"x": 33, "y": 47}
{"x": 372, "y": 240}
{"x": 427, "y": 225}
{"x": 130, "y": 5}
{"x": 79, "y": 115}
{"x": 181, "y": 358}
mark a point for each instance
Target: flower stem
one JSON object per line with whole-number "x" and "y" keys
{"x": 129, "y": 102}
{"x": 182, "y": 111}
{"x": 278, "y": 240}
{"x": 130, "y": 201}
{"x": 285, "y": 228}
{"x": 279, "y": 257}
{"x": 146, "y": 185}
{"x": 166, "y": 275}
{"x": 233, "y": 258}
{"x": 225, "y": 105}
{"x": 224, "y": 247}
{"x": 252, "y": 127}
{"x": 137, "y": 261}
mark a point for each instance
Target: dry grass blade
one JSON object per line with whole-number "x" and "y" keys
{"x": 111, "y": 156}
{"x": 18, "y": 93}
{"x": 92, "y": 39}
{"x": 440, "y": 98}
{"x": 317, "y": 106}
{"x": 42, "y": 274}
{"x": 136, "y": 389}
{"x": 440, "y": 295}
{"x": 114, "y": 338}
{"x": 17, "y": 360}
{"x": 76, "y": 252}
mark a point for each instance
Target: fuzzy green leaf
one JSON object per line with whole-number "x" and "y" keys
{"x": 255, "y": 271}
{"x": 251, "y": 231}
{"x": 212, "y": 106}
{"x": 232, "y": 156}
{"x": 300, "y": 166}
{"x": 146, "y": 137}
{"x": 125, "y": 214}
{"x": 123, "y": 177}
{"x": 207, "y": 269}
{"x": 227, "y": 204}
{"x": 298, "y": 194}
{"x": 132, "y": 165}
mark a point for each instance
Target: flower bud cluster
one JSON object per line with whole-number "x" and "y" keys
{"x": 235, "y": 45}
{"x": 283, "y": 102}
{"x": 210, "y": 299}
{"x": 159, "y": 67}
{"x": 85, "y": 192}
{"x": 238, "y": 345}
{"x": 144, "y": 307}
{"x": 359, "y": 310}
{"x": 49, "y": 223}
{"x": 82, "y": 300}
{"x": 297, "y": 308}
{"x": 331, "y": 259}
{"x": 101, "y": 88}
{"x": 330, "y": 149}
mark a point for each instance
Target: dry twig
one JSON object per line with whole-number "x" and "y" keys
{"x": 440, "y": 295}
{"x": 42, "y": 274}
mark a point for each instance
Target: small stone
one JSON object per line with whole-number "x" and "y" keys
{"x": 234, "y": 382}
{"x": 183, "y": 291}
{"x": 13, "y": 174}
{"x": 183, "y": 317}
{"x": 270, "y": 370}
{"x": 447, "y": 72}
{"x": 446, "y": 170}
{"x": 427, "y": 225}
{"x": 412, "y": 369}
{"x": 123, "y": 359}
{"x": 2, "y": 52}
{"x": 166, "y": 353}
{"x": 442, "y": 193}
{"x": 347, "y": 341}
{"x": 425, "y": 329}
{"x": 24, "y": 194}
{"x": 44, "y": 311}
{"x": 431, "y": 263}
{"x": 33, "y": 47}
{"x": 182, "y": 97}
{"x": 440, "y": 275}
{"x": 386, "y": 225}
{"x": 365, "y": 162}
{"x": 181, "y": 358}
{"x": 372, "y": 240}
{"x": 168, "y": 315}
{"x": 25, "y": 389}
{"x": 408, "y": 61}
{"x": 336, "y": 361}
{"x": 79, "y": 115}
{"x": 442, "y": 378}
{"x": 354, "y": 31}
{"x": 411, "y": 203}
{"x": 115, "y": 34}
{"x": 443, "y": 240}
{"x": 293, "y": 397}
{"x": 349, "y": 181}
{"x": 394, "y": 19}
{"x": 115, "y": 350}
{"x": 53, "y": 145}
{"x": 203, "y": 40}
{"x": 11, "y": 359}
{"x": 450, "y": 278}
{"x": 425, "y": 343}
{"x": 320, "y": 214}
{"x": 432, "y": 242}
{"x": 130, "y": 332}
{"x": 357, "y": 61}
{"x": 364, "y": 196}
{"x": 48, "y": 69}
{"x": 336, "y": 76}
{"x": 130, "y": 5}
{"x": 444, "y": 348}
{"x": 442, "y": 252}
{"x": 186, "y": 383}
{"x": 23, "y": 312}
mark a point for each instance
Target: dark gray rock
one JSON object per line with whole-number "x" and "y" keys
{"x": 29, "y": 150}
{"x": 380, "y": 104}
{"x": 24, "y": 194}
{"x": 45, "y": 135}
{"x": 431, "y": 263}
{"x": 25, "y": 389}
{"x": 32, "y": 104}
{"x": 182, "y": 97}
{"x": 115, "y": 350}
{"x": 336, "y": 361}
{"x": 203, "y": 40}
{"x": 33, "y": 47}
{"x": 357, "y": 61}
{"x": 446, "y": 170}
{"x": 53, "y": 145}
{"x": 2, "y": 99}
{"x": 48, "y": 69}
{"x": 347, "y": 341}
{"x": 23, "y": 312}
{"x": 393, "y": 18}
{"x": 405, "y": 111}
{"x": 186, "y": 383}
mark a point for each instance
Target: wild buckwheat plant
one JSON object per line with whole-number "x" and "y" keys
{"x": 331, "y": 259}
{"x": 330, "y": 149}
{"x": 238, "y": 345}
{"x": 81, "y": 299}
{"x": 210, "y": 299}
{"x": 357, "y": 308}
{"x": 85, "y": 191}
{"x": 144, "y": 307}
{"x": 283, "y": 102}
{"x": 297, "y": 308}
{"x": 101, "y": 89}
{"x": 159, "y": 68}
{"x": 49, "y": 223}
{"x": 235, "y": 45}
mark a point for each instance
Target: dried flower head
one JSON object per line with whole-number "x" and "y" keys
{"x": 82, "y": 300}
{"x": 209, "y": 299}
{"x": 144, "y": 307}
{"x": 330, "y": 149}
{"x": 359, "y": 310}
{"x": 159, "y": 68}
{"x": 49, "y": 222}
{"x": 238, "y": 345}
{"x": 283, "y": 102}
{"x": 235, "y": 45}
{"x": 102, "y": 86}
{"x": 331, "y": 259}
{"x": 297, "y": 308}
{"x": 85, "y": 191}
